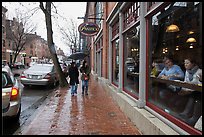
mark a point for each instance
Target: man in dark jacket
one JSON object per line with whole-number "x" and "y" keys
{"x": 85, "y": 70}
{"x": 74, "y": 78}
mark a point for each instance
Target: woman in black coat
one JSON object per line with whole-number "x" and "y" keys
{"x": 74, "y": 78}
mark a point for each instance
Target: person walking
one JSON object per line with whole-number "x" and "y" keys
{"x": 74, "y": 78}
{"x": 85, "y": 70}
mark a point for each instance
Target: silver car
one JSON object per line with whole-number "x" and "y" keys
{"x": 11, "y": 95}
{"x": 39, "y": 74}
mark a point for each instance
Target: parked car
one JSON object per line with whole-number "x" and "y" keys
{"x": 129, "y": 60}
{"x": 32, "y": 63}
{"x": 130, "y": 67}
{"x": 40, "y": 74}
{"x": 18, "y": 65}
{"x": 11, "y": 95}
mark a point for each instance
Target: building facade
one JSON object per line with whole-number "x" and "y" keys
{"x": 132, "y": 36}
{"x": 35, "y": 48}
{"x": 4, "y": 10}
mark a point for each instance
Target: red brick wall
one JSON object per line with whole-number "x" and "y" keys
{"x": 107, "y": 7}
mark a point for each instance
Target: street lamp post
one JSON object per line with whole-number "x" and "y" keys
{"x": 24, "y": 60}
{"x": 10, "y": 55}
{"x": 72, "y": 49}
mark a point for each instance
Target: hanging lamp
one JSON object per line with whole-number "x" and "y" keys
{"x": 191, "y": 40}
{"x": 172, "y": 28}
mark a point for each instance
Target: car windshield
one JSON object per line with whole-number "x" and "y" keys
{"x": 130, "y": 64}
{"x": 41, "y": 68}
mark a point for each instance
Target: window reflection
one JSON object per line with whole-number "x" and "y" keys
{"x": 115, "y": 71}
{"x": 179, "y": 45}
{"x": 131, "y": 60}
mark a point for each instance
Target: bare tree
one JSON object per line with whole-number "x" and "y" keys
{"x": 47, "y": 11}
{"x": 21, "y": 27}
{"x": 70, "y": 35}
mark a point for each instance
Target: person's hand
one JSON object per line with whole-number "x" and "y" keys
{"x": 164, "y": 77}
{"x": 199, "y": 75}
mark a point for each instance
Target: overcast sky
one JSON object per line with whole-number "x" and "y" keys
{"x": 66, "y": 10}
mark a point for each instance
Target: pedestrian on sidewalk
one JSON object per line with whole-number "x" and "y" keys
{"x": 74, "y": 78}
{"x": 85, "y": 70}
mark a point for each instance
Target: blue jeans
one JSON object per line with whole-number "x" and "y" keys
{"x": 74, "y": 89}
{"x": 85, "y": 86}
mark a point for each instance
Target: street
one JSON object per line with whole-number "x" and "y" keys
{"x": 32, "y": 98}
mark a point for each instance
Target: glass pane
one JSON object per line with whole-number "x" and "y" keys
{"x": 115, "y": 71}
{"x": 183, "y": 47}
{"x": 131, "y": 58}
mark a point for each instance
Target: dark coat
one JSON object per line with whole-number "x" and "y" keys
{"x": 86, "y": 70}
{"x": 73, "y": 75}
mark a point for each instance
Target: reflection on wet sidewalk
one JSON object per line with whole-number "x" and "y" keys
{"x": 93, "y": 114}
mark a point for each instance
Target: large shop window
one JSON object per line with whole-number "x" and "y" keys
{"x": 99, "y": 12}
{"x": 115, "y": 72}
{"x": 131, "y": 60}
{"x": 131, "y": 14}
{"x": 150, "y": 5}
{"x": 175, "y": 82}
{"x": 99, "y": 56}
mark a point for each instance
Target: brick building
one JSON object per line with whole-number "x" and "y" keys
{"x": 131, "y": 36}
{"x": 4, "y": 10}
{"x": 36, "y": 46}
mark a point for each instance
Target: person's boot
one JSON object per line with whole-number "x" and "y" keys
{"x": 82, "y": 90}
{"x": 188, "y": 108}
{"x": 86, "y": 91}
{"x": 75, "y": 89}
{"x": 197, "y": 112}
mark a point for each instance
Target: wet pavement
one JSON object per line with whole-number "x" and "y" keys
{"x": 92, "y": 114}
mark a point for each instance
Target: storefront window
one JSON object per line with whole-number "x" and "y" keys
{"x": 150, "y": 5}
{"x": 131, "y": 60}
{"x": 131, "y": 14}
{"x": 99, "y": 56}
{"x": 115, "y": 29}
{"x": 115, "y": 72}
{"x": 99, "y": 12}
{"x": 175, "y": 41}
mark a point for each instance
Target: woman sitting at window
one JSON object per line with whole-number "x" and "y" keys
{"x": 193, "y": 109}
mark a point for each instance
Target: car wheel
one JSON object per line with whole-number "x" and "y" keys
{"x": 16, "y": 117}
{"x": 26, "y": 85}
{"x": 55, "y": 83}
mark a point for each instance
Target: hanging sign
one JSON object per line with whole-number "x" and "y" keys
{"x": 88, "y": 28}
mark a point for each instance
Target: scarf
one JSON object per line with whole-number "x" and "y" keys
{"x": 192, "y": 72}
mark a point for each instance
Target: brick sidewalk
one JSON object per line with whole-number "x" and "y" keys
{"x": 95, "y": 114}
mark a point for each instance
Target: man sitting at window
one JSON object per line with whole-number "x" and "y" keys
{"x": 170, "y": 72}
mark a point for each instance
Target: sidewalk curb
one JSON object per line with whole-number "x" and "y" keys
{"x": 39, "y": 108}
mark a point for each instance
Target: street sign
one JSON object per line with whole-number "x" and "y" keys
{"x": 88, "y": 28}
